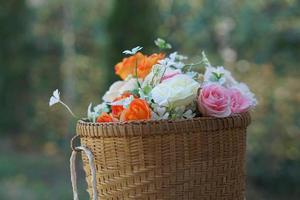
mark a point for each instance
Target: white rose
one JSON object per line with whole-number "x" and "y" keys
{"x": 113, "y": 91}
{"x": 118, "y": 88}
{"x": 129, "y": 85}
{"x": 181, "y": 90}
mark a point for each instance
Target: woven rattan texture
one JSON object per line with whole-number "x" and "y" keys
{"x": 202, "y": 158}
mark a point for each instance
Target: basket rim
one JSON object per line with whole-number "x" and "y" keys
{"x": 121, "y": 123}
{"x": 149, "y": 127}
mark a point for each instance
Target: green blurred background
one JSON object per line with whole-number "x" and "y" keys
{"x": 73, "y": 45}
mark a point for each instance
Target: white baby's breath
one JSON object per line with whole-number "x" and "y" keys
{"x": 189, "y": 114}
{"x": 174, "y": 60}
{"x": 159, "y": 112}
{"x": 175, "y": 56}
{"x": 132, "y": 51}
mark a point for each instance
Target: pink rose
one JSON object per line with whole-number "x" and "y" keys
{"x": 214, "y": 100}
{"x": 239, "y": 103}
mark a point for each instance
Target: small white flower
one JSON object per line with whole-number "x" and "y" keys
{"x": 158, "y": 117}
{"x": 177, "y": 113}
{"x": 159, "y": 112}
{"x": 133, "y": 51}
{"x": 219, "y": 75}
{"x": 189, "y": 114}
{"x": 175, "y": 56}
{"x": 55, "y": 98}
{"x": 174, "y": 60}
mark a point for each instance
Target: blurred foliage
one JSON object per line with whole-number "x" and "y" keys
{"x": 14, "y": 51}
{"x": 131, "y": 23}
{"x": 258, "y": 40}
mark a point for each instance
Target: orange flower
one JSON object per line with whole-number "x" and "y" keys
{"x": 138, "y": 110}
{"x": 127, "y": 66}
{"x": 144, "y": 65}
{"x": 104, "y": 117}
{"x": 117, "y": 110}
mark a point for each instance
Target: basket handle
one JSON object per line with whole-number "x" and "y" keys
{"x": 90, "y": 156}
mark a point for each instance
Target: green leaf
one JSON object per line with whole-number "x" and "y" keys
{"x": 217, "y": 76}
{"x": 147, "y": 89}
{"x": 162, "y": 44}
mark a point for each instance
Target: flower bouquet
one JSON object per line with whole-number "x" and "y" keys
{"x": 168, "y": 130}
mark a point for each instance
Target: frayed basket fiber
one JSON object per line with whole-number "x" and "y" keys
{"x": 201, "y": 158}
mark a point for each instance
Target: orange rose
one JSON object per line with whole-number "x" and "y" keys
{"x": 127, "y": 66}
{"x": 138, "y": 110}
{"x": 104, "y": 117}
{"x": 144, "y": 65}
{"x": 116, "y": 110}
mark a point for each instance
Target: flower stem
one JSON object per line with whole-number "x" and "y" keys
{"x": 194, "y": 64}
{"x": 162, "y": 75}
{"x": 136, "y": 74}
{"x": 67, "y": 107}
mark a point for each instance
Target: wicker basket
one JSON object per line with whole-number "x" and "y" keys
{"x": 201, "y": 158}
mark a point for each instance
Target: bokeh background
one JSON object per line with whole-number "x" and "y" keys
{"x": 73, "y": 45}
